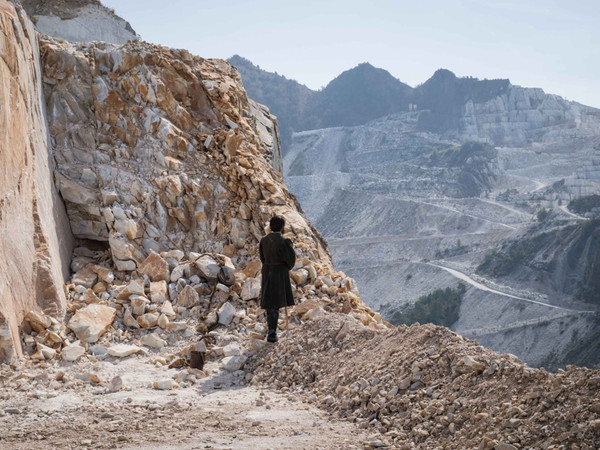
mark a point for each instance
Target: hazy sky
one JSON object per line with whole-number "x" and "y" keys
{"x": 552, "y": 44}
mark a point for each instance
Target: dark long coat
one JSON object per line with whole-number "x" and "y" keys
{"x": 278, "y": 258}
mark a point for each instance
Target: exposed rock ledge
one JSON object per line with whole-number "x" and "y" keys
{"x": 35, "y": 238}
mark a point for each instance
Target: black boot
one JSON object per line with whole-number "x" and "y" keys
{"x": 272, "y": 319}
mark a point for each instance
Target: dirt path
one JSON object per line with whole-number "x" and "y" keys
{"x": 458, "y": 211}
{"x": 219, "y": 411}
{"x": 564, "y": 209}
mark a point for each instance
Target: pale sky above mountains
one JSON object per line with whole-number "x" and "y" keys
{"x": 552, "y": 44}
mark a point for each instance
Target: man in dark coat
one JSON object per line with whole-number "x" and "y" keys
{"x": 278, "y": 258}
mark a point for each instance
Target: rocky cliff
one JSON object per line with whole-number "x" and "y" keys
{"x": 156, "y": 150}
{"x": 35, "y": 237}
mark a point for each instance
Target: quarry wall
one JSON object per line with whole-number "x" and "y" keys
{"x": 35, "y": 236}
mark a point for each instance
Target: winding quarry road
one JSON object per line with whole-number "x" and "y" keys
{"x": 466, "y": 278}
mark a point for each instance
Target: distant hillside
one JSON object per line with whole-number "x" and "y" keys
{"x": 362, "y": 94}
{"x": 565, "y": 259}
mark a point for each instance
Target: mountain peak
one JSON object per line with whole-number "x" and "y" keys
{"x": 365, "y": 73}
{"x": 444, "y": 74}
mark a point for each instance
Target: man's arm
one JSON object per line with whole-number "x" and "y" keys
{"x": 260, "y": 252}
{"x": 289, "y": 255}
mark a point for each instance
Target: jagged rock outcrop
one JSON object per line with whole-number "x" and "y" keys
{"x": 35, "y": 238}
{"x": 79, "y": 21}
{"x": 159, "y": 150}
{"x": 523, "y": 115}
{"x": 265, "y": 125}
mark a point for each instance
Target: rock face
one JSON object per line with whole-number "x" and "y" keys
{"x": 518, "y": 116}
{"x": 79, "y": 21}
{"x": 158, "y": 150}
{"x": 35, "y": 238}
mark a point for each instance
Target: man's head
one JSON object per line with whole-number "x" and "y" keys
{"x": 277, "y": 223}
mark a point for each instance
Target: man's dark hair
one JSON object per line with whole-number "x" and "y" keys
{"x": 277, "y": 223}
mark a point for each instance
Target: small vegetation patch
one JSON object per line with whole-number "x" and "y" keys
{"x": 440, "y": 307}
{"x": 586, "y": 204}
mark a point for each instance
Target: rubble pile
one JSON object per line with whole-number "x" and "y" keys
{"x": 424, "y": 386}
{"x": 176, "y": 304}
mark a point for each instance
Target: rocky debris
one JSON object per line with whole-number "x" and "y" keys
{"x": 73, "y": 351}
{"x": 202, "y": 187}
{"x": 226, "y": 313}
{"x": 251, "y": 289}
{"x": 123, "y": 350}
{"x": 154, "y": 340}
{"x": 427, "y": 386}
{"x": 92, "y": 321}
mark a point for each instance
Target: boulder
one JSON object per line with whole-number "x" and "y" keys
{"x": 167, "y": 309}
{"x": 177, "y": 273}
{"x": 138, "y": 304}
{"x": 164, "y": 385}
{"x": 302, "y": 308}
{"x": 85, "y": 277}
{"x": 91, "y": 322}
{"x": 176, "y": 326}
{"x": 115, "y": 385}
{"x": 45, "y": 352}
{"x": 38, "y": 321}
{"x": 163, "y": 321}
{"x": 158, "y": 291}
{"x": 251, "y": 289}
{"x": 153, "y": 340}
{"x": 72, "y": 352}
{"x": 226, "y": 313}
{"x": 104, "y": 274}
{"x": 252, "y": 269}
{"x": 129, "y": 320}
{"x": 209, "y": 268}
{"x": 300, "y": 276}
{"x": 148, "y": 320}
{"x": 232, "y": 349}
{"x": 155, "y": 267}
{"x": 122, "y": 350}
{"x": 233, "y": 363}
{"x": 133, "y": 287}
{"x": 188, "y": 297}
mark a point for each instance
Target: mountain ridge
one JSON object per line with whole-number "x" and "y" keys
{"x": 445, "y": 103}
